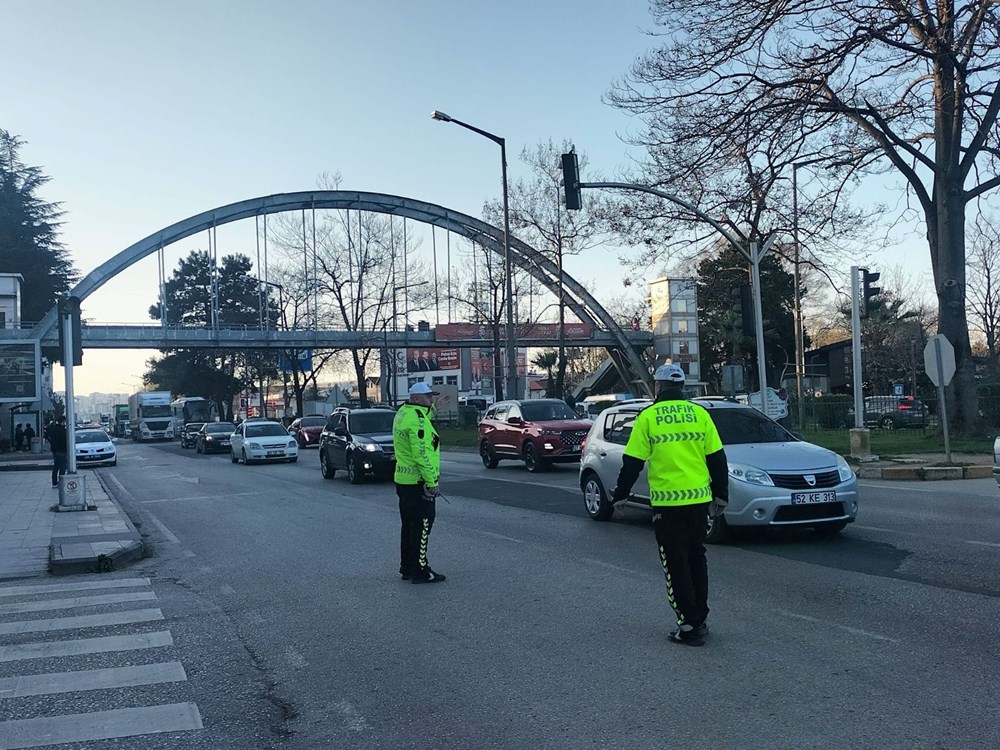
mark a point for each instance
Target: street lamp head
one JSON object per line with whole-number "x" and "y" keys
{"x": 439, "y": 115}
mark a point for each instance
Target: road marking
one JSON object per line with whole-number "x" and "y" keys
{"x": 201, "y": 497}
{"x": 53, "y": 588}
{"x": 76, "y": 601}
{"x": 848, "y": 628}
{"x": 178, "y": 477}
{"x": 227, "y": 589}
{"x": 605, "y": 564}
{"x": 166, "y": 532}
{"x": 875, "y": 528}
{"x": 984, "y": 544}
{"x": 80, "y": 621}
{"x": 297, "y": 660}
{"x": 99, "y": 725}
{"x": 108, "y": 678}
{"x": 500, "y": 536}
{"x": 355, "y": 721}
{"x": 481, "y": 478}
{"x": 188, "y": 553}
{"x": 901, "y": 488}
{"x": 105, "y": 644}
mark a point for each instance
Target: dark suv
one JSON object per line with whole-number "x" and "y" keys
{"x": 893, "y": 412}
{"x": 541, "y": 432}
{"x": 358, "y": 441}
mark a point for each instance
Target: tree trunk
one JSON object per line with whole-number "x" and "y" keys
{"x": 948, "y": 260}
{"x": 359, "y": 372}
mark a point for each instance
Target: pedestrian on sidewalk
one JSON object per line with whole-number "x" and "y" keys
{"x": 418, "y": 470}
{"x": 55, "y": 433}
{"x": 688, "y": 481}
{"x": 18, "y": 437}
{"x": 29, "y": 435}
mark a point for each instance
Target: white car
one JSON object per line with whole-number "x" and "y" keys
{"x": 94, "y": 447}
{"x": 262, "y": 440}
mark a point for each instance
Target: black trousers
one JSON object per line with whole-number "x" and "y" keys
{"x": 416, "y": 516}
{"x": 59, "y": 465}
{"x": 680, "y": 534}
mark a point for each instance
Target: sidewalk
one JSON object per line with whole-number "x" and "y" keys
{"x": 34, "y": 540}
{"x": 927, "y": 467}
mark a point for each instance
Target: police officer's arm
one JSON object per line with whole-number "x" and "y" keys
{"x": 420, "y": 436}
{"x": 637, "y": 452}
{"x": 715, "y": 459}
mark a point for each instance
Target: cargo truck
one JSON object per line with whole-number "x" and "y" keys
{"x": 121, "y": 420}
{"x": 149, "y": 416}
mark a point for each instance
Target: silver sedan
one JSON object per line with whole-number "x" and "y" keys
{"x": 775, "y": 479}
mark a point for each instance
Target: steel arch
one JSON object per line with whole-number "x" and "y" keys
{"x": 523, "y": 255}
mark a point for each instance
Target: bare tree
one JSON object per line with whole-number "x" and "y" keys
{"x": 904, "y": 87}
{"x": 983, "y": 296}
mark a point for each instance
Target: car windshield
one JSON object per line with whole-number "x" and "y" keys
{"x": 193, "y": 426}
{"x": 155, "y": 411}
{"x": 741, "y": 426}
{"x": 266, "y": 430}
{"x": 546, "y": 410}
{"x": 92, "y": 436}
{"x": 312, "y": 422}
{"x": 220, "y": 427}
{"x": 374, "y": 423}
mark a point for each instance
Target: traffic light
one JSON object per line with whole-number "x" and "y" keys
{"x": 571, "y": 181}
{"x": 70, "y": 307}
{"x": 869, "y": 292}
{"x": 743, "y": 307}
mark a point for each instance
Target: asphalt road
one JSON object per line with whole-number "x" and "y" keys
{"x": 551, "y": 629}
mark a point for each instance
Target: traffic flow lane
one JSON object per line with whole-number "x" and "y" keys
{"x": 540, "y": 607}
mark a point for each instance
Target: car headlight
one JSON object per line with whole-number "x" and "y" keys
{"x": 255, "y": 446}
{"x": 749, "y": 474}
{"x": 844, "y": 469}
{"x": 291, "y": 444}
{"x": 209, "y": 439}
{"x": 370, "y": 447}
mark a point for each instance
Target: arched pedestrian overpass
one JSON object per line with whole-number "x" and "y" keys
{"x": 623, "y": 346}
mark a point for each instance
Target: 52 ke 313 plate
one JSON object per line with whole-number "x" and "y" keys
{"x": 806, "y": 498}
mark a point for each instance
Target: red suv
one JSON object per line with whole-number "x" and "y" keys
{"x": 540, "y": 432}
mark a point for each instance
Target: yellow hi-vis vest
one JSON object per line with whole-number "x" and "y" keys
{"x": 416, "y": 445}
{"x": 674, "y": 436}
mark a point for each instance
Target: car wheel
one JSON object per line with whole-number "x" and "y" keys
{"x": 532, "y": 462}
{"x": 887, "y": 423}
{"x": 830, "y": 528}
{"x": 232, "y": 456}
{"x": 115, "y": 462}
{"x": 293, "y": 460}
{"x": 354, "y": 472}
{"x": 718, "y": 530}
{"x": 197, "y": 447}
{"x": 595, "y": 498}
{"x": 246, "y": 461}
{"x": 325, "y": 467}
{"x": 489, "y": 456}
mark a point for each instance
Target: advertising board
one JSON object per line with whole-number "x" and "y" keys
{"x": 20, "y": 371}
{"x": 429, "y": 359}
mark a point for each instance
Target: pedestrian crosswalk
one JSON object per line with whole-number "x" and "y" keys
{"x": 51, "y": 644}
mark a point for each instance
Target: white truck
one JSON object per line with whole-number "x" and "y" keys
{"x": 149, "y": 416}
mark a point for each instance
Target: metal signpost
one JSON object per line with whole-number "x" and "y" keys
{"x": 939, "y": 362}
{"x": 72, "y": 488}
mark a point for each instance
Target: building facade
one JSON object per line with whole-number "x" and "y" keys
{"x": 673, "y": 304}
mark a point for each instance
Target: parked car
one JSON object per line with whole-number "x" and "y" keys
{"x": 189, "y": 433}
{"x": 358, "y": 441}
{"x": 258, "y": 440}
{"x": 775, "y": 479}
{"x": 894, "y": 412}
{"x": 996, "y": 460}
{"x": 540, "y": 432}
{"x": 94, "y": 447}
{"x": 306, "y": 431}
{"x": 214, "y": 437}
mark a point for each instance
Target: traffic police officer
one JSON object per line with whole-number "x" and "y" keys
{"x": 418, "y": 469}
{"x": 687, "y": 469}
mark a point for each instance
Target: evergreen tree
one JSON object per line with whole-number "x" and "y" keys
{"x": 29, "y": 233}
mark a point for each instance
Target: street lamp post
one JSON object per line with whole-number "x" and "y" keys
{"x": 511, "y": 344}
{"x": 390, "y": 369}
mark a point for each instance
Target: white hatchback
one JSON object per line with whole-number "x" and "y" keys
{"x": 262, "y": 440}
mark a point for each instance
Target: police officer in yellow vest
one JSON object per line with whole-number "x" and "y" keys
{"x": 687, "y": 469}
{"x": 418, "y": 470}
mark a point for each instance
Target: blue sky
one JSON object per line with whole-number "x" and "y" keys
{"x": 146, "y": 113}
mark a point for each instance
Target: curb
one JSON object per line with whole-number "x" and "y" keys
{"x": 24, "y": 466}
{"x": 925, "y": 473}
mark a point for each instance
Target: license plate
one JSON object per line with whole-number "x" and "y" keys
{"x": 276, "y": 453}
{"x": 807, "y": 498}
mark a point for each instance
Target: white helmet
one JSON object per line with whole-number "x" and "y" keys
{"x": 669, "y": 374}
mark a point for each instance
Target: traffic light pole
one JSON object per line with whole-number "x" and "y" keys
{"x": 859, "y": 400}
{"x": 752, "y": 252}
{"x": 72, "y": 494}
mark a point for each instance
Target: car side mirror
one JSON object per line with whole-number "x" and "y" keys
{"x": 340, "y": 432}
{"x": 515, "y": 420}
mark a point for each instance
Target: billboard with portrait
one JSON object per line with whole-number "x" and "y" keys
{"x": 431, "y": 359}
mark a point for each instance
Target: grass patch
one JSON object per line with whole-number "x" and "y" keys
{"x": 459, "y": 437}
{"x": 900, "y": 442}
